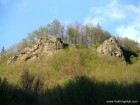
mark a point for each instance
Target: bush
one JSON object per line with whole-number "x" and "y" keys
{"x": 133, "y": 59}
{"x": 31, "y": 87}
{"x": 7, "y": 92}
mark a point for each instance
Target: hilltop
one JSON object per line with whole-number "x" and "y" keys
{"x": 45, "y": 47}
{"x": 45, "y": 68}
{"x": 47, "y": 52}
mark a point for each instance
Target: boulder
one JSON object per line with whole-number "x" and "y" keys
{"x": 43, "y": 47}
{"x": 110, "y": 48}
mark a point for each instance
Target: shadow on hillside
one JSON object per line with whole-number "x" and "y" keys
{"x": 14, "y": 95}
{"x": 80, "y": 91}
{"x": 128, "y": 54}
{"x": 83, "y": 91}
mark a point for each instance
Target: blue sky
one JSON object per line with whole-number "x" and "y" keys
{"x": 20, "y": 17}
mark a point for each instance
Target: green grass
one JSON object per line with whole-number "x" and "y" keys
{"x": 87, "y": 91}
{"x": 79, "y": 91}
{"x": 3, "y": 69}
{"x": 70, "y": 77}
{"x": 66, "y": 64}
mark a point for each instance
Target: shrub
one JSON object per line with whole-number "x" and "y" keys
{"x": 133, "y": 59}
{"x": 31, "y": 87}
{"x": 7, "y": 95}
{"x": 30, "y": 83}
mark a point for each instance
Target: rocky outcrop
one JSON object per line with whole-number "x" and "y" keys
{"x": 111, "y": 48}
{"x": 44, "y": 47}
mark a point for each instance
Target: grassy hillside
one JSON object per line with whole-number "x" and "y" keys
{"x": 79, "y": 91}
{"x": 66, "y": 64}
{"x": 75, "y": 76}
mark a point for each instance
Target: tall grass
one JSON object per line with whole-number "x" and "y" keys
{"x": 85, "y": 91}
{"x": 79, "y": 91}
{"x": 64, "y": 65}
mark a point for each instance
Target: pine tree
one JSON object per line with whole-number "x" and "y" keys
{"x": 3, "y": 51}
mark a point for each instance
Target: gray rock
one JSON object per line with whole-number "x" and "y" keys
{"x": 44, "y": 46}
{"x": 110, "y": 48}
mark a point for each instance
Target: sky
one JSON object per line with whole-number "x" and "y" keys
{"x": 18, "y": 18}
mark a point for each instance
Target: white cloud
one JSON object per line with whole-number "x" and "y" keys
{"x": 132, "y": 28}
{"x": 127, "y": 31}
{"x": 124, "y": 17}
{"x": 110, "y": 11}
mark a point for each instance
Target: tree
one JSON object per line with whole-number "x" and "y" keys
{"x": 4, "y": 56}
{"x": 96, "y": 35}
{"x": 32, "y": 37}
{"x": 23, "y": 44}
{"x": 100, "y": 35}
{"x": 42, "y": 32}
{"x": 84, "y": 38}
{"x": 129, "y": 44}
{"x": 89, "y": 33}
{"x": 3, "y": 51}
{"x": 55, "y": 28}
{"x": 80, "y": 33}
{"x": 12, "y": 49}
{"x": 73, "y": 34}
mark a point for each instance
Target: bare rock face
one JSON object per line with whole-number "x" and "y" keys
{"x": 43, "y": 47}
{"x": 110, "y": 48}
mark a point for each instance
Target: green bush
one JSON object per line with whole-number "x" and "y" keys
{"x": 133, "y": 59}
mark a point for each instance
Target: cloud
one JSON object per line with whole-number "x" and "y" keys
{"x": 132, "y": 28}
{"x": 127, "y": 31}
{"x": 106, "y": 12}
{"x": 124, "y": 18}
{"x": 110, "y": 10}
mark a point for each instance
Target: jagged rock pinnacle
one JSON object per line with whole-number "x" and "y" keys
{"x": 111, "y": 48}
